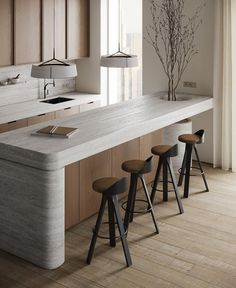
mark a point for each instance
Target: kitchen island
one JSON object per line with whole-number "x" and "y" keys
{"x": 32, "y": 214}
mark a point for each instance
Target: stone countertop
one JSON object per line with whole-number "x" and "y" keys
{"x": 28, "y": 109}
{"x": 99, "y": 130}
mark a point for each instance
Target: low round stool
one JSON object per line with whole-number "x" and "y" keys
{"x": 165, "y": 153}
{"x": 110, "y": 187}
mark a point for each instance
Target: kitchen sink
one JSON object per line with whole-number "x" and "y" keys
{"x": 57, "y": 100}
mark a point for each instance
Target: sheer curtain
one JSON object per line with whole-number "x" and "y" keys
{"x": 224, "y": 85}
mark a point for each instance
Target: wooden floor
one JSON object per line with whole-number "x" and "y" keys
{"x": 196, "y": 249}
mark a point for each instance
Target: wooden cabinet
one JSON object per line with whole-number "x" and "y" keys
{"x": 41, "y": 118}
{"x": 72, "y": 194}
{"x": 66, "y": 112}
{"x": 13, "y": 125}
{"x": 146, "y": 143}
{"x": 27, "y": 31}
{"x": 48, "y": 29}
{"x": 77, "y": 29}
{"x": 6, "y": 32}
{"x": 89, "y": 106}
{"x": 91, "y": 169}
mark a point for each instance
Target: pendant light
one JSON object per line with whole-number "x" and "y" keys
{"x": 54, "y": 68}
{"x": 119, "y": 59}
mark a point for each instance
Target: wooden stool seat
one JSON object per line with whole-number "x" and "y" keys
{"x": 103, "y": 184}
{"x": 133, "y": 166}
{"x": 160, "y": 149}
{"x": 189, "y": 138}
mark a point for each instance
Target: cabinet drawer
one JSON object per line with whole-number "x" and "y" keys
{"x": 41, "y": 118}
{"x": 66, "y": 112}
{"x": 13, "y": 125}
{"x": 89, "y": 106}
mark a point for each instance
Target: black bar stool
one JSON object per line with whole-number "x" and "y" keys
{"x": 137, "y": 169}
{"x": 191, "y": 140}
{"x": 110, "y": 187}
{"x": 165, "y": 153}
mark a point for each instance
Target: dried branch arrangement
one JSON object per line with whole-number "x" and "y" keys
{"x": 172, "y": 35}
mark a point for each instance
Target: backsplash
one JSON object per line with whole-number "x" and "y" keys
{"x": 28, "y": 88}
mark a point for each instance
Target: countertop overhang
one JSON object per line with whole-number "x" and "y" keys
{"x": 99, "y": 130}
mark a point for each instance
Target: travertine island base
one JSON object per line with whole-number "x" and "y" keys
{"x": 32, "y": 169}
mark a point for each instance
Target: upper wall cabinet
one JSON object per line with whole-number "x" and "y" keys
{"x": 27, "y": 29}
{"x": 48, "y": 29}
{"x": 6, "y": 33}
{"x": 27, "y": 35}
{"x": 77, "y": 29}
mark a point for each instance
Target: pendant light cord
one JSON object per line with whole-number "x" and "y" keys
{"x": 119, "y": 28}
{"x": 54, "y": 30}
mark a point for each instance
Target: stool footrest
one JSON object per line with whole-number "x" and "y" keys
{"x": 107, "y": 237}
{"x": 161, "y": 190}
{"x": 192, "y": 175}
{"x": 148, "y": 210}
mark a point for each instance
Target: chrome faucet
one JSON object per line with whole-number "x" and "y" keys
{"x": 45, "y": 90}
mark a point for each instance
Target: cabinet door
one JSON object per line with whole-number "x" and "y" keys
{"x": 72, "y": 194}
{"x": 13, "y": 125}
{"x": 91, "y": 169}
{"x": 48, "y": 29}
{"x": 6, "y": 33}
{"x": 27, "y": 27}
{"x": 41, "y": 118}
{"x": 77, "y": 29}
{"x": 146, "y": 143}
{"x": 121, "y": 153}
{"x": 66, "y": 112}
{"x": 89, "y": 106}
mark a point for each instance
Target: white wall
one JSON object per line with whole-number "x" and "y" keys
{"x": 200, "y": 69}
{"x": 88, "y": 79}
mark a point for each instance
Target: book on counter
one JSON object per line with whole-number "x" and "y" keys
{"x": 57, "y": 131}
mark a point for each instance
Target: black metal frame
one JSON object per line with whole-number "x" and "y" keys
{"x": 130, "y": 207}
{"x": 114, "y": 217}
{"x": 186, "y": 167}
{"x": 165, "y": 164}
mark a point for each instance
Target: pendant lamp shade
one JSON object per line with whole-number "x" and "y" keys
{"x": 54, "y": 71}
{"x": 119, "y": 61}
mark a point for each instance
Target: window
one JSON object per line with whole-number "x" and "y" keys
{"x": 118, "y": 84}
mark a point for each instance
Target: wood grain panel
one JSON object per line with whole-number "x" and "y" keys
{"x": 77, "y": 29}
{"x": 91, "y": 169}
{"x": 60, "y": 29}
{"x": 41, "y": 118}
{"x": 27, "y": 25}
{"x": 47, "y": 29}
{"x": 6, "y": 32}
{"x": 66, "y": 112}
{"x": 13, "y": 125}
{"x": 146, "y": 143}
{"x": 72, "y": 195}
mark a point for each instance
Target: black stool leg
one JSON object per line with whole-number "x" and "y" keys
{"x": 155, "y": 183}
{"x": 122, "y": 232}
{"x": 189, "y": 149}
{"x": 200, "y": 166}
{"x": 111, "y": 220}
{"x": 182, "y": 169}
{"x": 165, "y": 181}
{"x": 149, "y": 202}
{"x": 172, "y": 175}
{"x": 133, "y": 200}
{"x": 96, "y": 230}
{"x": 128, "y": 211}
